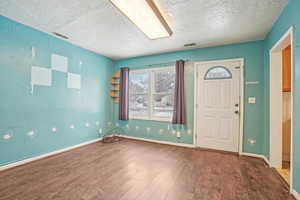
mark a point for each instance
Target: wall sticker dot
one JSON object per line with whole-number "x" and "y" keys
{"x": 97, "y": 123}
{"x": 87, "y": 124}
{"x": 54, "y": 129}
{"x": 100, "y": 131}
{"x": 72, "y": 126}
{"x": 7, "y": 136}
{"x": 148, "y": 129}
{"x": 30, "y": 133}
{"x": 127, "y": 126}
{"x": 251, "y": 141}
{"x": 137, "y": 127}
{"x": 189, "y": 132}
{"x": 117, "y": 125}
{"x": 161, "y": 131}
{"x": 173, "y": 132}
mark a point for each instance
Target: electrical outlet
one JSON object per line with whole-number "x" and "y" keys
{"x": 252, "y": 100}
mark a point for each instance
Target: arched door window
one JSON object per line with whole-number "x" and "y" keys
{"x": 217, "y": 72}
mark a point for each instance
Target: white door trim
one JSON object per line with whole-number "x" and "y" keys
{"x": 275, "y": 110}
{"x": 241, "y": 122}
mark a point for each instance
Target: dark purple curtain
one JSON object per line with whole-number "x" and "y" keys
{"x": 179, "y": 102}
{"x": 124, "y": 94}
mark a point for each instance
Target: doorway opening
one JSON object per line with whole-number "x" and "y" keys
{"x": 281, "y": 106}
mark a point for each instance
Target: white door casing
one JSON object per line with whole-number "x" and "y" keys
{"x": 218, "y": 110}
{"x": 276, "y": 117}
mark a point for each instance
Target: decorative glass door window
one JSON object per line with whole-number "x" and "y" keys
{"x": 218, "y": 72}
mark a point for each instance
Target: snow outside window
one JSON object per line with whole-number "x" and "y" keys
{"x": 151, "y": 94}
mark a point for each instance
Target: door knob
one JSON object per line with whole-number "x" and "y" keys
{"x": 236, "y": 112}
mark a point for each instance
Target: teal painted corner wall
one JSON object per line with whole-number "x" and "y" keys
{"x": 21, "y": 111}
{"x": 254, "y": 126}
{"x": 289, "y": 17}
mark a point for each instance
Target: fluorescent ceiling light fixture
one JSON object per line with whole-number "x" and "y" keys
{"x": 146, "y": 16}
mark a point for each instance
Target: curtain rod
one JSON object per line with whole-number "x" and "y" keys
{"x": 165, "y": 63}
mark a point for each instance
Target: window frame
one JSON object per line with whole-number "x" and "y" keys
{"x": 151, "y": 93}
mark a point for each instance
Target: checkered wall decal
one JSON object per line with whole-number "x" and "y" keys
{"x": 43, "y": 76}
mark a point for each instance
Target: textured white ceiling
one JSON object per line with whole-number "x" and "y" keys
{"x": 100, "y": 27}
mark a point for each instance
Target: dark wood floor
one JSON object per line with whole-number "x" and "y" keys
{"x": 135, "y": 170}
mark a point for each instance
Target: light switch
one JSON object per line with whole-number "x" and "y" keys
{"x": 251, "y": 100}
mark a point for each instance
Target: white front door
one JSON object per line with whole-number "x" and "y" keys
{"x": 218, "y": 99}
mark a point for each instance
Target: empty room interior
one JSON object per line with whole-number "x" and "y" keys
{"x": 150, "y": 100}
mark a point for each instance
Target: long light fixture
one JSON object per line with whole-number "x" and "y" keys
{"x": 146, "y": 16}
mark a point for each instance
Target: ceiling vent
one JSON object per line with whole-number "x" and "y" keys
{"x": 190, "y": 45}
{"x": 61, "y": 35}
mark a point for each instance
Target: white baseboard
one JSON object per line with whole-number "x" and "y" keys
{"x": 256, "y": 156}
{"x": 296, "y": 194}
{"x": 158, "y": 141}
{"x": 22, "y": 162}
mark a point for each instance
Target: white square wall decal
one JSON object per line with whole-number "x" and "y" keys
{"x": 59, "y": 63}
{"x": 74, "y": 81}
{"x": 41, "y": 76}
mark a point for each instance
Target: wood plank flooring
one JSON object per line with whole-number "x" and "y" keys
{"x": 135, "y": 170}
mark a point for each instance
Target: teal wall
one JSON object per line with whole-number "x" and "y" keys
{"x": 57, "y": 106}
{"x": 254, "y": 126}
{"x": 289, "y": 17}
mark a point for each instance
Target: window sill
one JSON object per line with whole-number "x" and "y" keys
{"x": 154, "y": 120}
